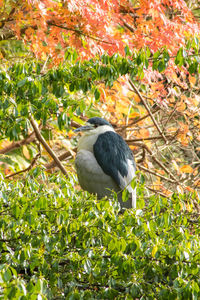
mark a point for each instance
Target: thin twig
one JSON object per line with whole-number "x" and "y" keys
{"x": 156, "y": 160}
{"x": 50, "y": 23}
{"x": 147, "y": 108}
{"x": 127, "y": 25}
{"x": 46, "y": 146}
{"x": 157, "y": 192}
{"x": 137, "y": 120}
{"x": 25, "y": 170}
{"x": 148, "y": 138}
{"x": 157, "y": 174}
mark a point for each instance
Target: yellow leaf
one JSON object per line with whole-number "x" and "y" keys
{"x": 154, "y": 250}
{"x": 26, "y": 152}
{"x": 134, "y": 115}
{"x": 186, "y": 169}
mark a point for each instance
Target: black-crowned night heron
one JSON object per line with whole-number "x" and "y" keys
{"x": 104, "y": 162}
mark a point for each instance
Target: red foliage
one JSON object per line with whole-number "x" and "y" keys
{"x": 91, "y": 26}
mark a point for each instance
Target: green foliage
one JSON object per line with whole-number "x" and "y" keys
{"x": 58, "y": 244}
{"x": 59, "y": 93}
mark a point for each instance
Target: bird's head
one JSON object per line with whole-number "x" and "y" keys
{"x": 95, "y": 125}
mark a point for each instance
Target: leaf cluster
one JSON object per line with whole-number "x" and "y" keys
{"x": 24, "y": 88}
{"x": 57, "y": 244}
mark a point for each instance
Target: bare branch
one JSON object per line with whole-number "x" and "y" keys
{"x": 156, "y": 174}
{"x": 148, "y": 138}
{"x": 63, "y": 156}
{"x": 18, "y": 144}
{"x": 157, "y": 192}
{"x": 156, "y": 160}
{"x": 25, "y": 170}
{"x": 46, "y": 146}
{"x": 147, "y": 108}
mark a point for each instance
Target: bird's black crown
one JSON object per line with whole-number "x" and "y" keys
{"x": 98, "y": 121}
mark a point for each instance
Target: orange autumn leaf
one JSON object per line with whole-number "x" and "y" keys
{"x": 144, "y": 133}
{"x": 136, "y": 98}
{"x": 181, "y": 106}
{"x": 192, "y": 80}
{"x": 134, "y": 115}
{"x": 189, "y": 189}
{"x": 133, "y": 147}
{"x": 71, "y": 134}
{"x": 186, "y": 169}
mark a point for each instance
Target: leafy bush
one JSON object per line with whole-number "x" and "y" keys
{"x": 60, "y": 244}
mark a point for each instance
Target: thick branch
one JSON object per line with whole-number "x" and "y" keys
{"x": 18, "y": 144}
{"x": 63, "y": 156}
{"x": 46, "y": 146}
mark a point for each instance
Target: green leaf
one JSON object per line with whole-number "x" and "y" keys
{"x": 142, "y": 179}
{"x": 125, "y": 195}
{"x": 22, "y": 82}
{"x": 7, "y": 275}
{"x": 87, "y": 266}
{"x": 97, "y": 94}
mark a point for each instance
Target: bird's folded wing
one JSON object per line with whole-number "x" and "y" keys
{"x": 115, "y": 158}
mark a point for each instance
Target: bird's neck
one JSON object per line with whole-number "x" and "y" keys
{"x": 87, "y": 141}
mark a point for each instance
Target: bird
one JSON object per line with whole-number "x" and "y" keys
{"x": 104, "y": 162}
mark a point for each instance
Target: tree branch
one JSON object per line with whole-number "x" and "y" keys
{"x": 30, "y": 138}
{"x": 63, "y": 156}
{"x": 147, "y": 108}
{"x": 156, "y": 160}
{"x": 46, "y": 146}
{"x": 148, "y": 138}
{"x": 50, "y": 23}
{"x": 27, "y": 169}
{"x": 156, "y": 174}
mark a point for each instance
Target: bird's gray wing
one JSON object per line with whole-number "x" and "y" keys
{"x": 115, "y": 158}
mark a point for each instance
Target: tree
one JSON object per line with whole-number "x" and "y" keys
{"x": 137, "y": 64}
{"x": 164, "y": 76}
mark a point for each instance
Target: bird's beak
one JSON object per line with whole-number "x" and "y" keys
{"x": 84, "y": 128}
